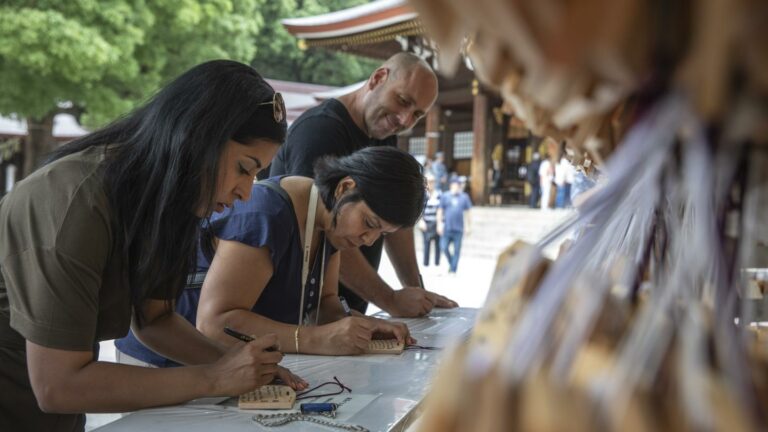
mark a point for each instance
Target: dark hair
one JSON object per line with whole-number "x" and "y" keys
{"x": 163, "y": 163}
{"x": 389, "y": 180}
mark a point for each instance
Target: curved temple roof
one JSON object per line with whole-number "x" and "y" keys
{"x": 359, "y": 19}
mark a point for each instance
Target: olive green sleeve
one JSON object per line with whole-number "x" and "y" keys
{"x": 55, "y": 299}
{"x": 55, "y": 242}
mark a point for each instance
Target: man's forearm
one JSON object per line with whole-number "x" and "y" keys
{"x": 402, "y": 253}
{"x": 357, "y": 274}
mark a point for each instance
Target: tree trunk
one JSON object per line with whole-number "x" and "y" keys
{"x": 39, "y": 143}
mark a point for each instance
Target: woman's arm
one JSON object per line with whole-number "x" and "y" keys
{"x": 330, "y": 306}
{"x": 71, "y": 382}
{"x": 186, "y": 345}
{"x": 236, "y": 279}
{"x": 174, "y": 337}
{"x": 233, "y": 284}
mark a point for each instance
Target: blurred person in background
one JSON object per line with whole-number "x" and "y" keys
{"x": 532, "y": 175}
{"x": 453, "y": 222}
{"x": 428, "y": 222}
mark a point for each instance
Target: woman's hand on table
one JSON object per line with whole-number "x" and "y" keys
{"x": 291, "y": 379}
{"x": 392, "y": 330}
{"x": 245, "y": 367}
{"x": 347, "y": 336}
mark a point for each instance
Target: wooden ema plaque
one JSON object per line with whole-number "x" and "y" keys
{"x": 385, "y": 346}
{"x": 268, "y": 397}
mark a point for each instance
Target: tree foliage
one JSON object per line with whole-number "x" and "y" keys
{"x": 103, "y": 56}
{"x": 98, "y": 59}
{"x": 278, "y": 55}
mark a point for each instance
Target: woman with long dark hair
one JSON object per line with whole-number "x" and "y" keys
{"x": 276, "y": 263}
{"x": 103, "y": 237}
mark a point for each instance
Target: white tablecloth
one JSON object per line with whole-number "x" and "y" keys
{"x": 385, "y": 388}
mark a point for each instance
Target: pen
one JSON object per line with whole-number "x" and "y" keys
{"x": 244, "y": 337}
{"x": 344, "y": 304}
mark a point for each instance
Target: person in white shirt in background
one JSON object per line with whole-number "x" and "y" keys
{"x": 428, "y": 222}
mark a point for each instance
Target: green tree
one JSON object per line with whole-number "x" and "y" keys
{"x": 278, "y": 55}
{"x": 98, "y": 59}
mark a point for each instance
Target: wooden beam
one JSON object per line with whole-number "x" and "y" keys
{"x": 402, "y": 142}
{"x": 463, "y": 125}
{"x": 455, "y": 96}
{"x": 433, "y": 130}
{"x": 448, "y": 148}
{"x": 479, "y": 145}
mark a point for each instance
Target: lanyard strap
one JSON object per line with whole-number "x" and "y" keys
{"x": 309, "y": 230}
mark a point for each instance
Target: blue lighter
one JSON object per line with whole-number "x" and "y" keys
{"x": 318, "y": 408}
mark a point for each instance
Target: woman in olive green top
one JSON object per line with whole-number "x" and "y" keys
{"x": 102, "y": 237}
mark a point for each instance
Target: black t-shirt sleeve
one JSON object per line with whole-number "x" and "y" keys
{"x": 314, "y": 137}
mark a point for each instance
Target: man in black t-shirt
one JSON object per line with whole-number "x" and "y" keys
{"x": 394, "y": 98}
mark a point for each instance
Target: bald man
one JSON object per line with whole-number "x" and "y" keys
{"x": 395, "y": 97}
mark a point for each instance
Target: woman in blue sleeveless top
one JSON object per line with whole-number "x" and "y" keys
{"x": 253, "y": 283}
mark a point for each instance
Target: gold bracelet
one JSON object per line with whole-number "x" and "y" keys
{"x": 296, "y": 338}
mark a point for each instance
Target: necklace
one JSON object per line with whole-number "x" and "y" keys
{"x": 280, "y": 419}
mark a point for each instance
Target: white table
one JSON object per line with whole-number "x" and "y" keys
{"x": 385, "y": 388}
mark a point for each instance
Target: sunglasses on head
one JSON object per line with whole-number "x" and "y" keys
{"x": 278, "y": 107}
